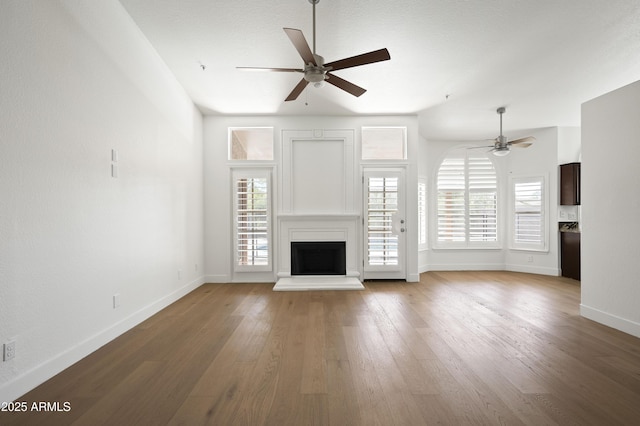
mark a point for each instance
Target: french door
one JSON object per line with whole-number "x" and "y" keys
{"x": 384, "y": 224}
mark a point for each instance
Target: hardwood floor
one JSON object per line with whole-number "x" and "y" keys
{"x": 457, "y": 348}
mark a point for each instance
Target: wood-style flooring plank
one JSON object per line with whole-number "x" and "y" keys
{"x": 458, "y": 348}
{"x": 371, "y": 402}
{"x": 314, "y": 364}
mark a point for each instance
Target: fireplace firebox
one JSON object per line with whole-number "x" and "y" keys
{"x": 318, "y": 258}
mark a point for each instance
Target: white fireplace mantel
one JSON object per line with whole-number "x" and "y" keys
{"x": 318, "y": 217}
{"x": 318, "y": 227}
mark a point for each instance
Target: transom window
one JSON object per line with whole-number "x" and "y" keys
{"x": 384, "y": 143}
{"x": 251, "y": 143}
{"x": 467, "y": 204}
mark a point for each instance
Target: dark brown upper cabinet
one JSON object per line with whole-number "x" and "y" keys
{"x": 570, "y": 184}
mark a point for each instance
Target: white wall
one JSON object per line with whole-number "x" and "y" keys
{"x": 218, "y": 221}
{"x": 77, "y": 81}
{"x": 610, "y": 206}
{"x": 540, "y": 159}
{"x": 569, "y": 145}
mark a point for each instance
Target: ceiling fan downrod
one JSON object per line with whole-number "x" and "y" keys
{"x": 314, "y": 2}
{"x": 501, "y": 139}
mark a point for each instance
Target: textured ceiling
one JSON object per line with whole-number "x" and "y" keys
{"x": 453, "y": 62}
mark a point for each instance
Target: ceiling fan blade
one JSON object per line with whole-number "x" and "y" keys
{"x": 522, "y": 145}
{"x": 365, "y": 58}
{"x": 270, "y": 69}
{"x": 521, "y": 140}
{"x": 301, "y": 45}
{"x": 478, "y": 147}
{"x": 297, "y": 90}
{"x": 345, "y": 85}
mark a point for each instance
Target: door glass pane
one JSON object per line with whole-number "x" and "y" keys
{"x": 252, "y": 221}
{"x": 382, "y": 205}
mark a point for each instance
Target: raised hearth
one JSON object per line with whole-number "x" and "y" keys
{"x": 318, "y": 282}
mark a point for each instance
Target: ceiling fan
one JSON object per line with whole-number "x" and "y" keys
{"x": 315, "y": 70}
{"x": 501, "y": 147}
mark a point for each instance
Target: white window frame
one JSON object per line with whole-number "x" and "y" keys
{"x": 252, "y": 173}
{"x": 466, "y": 243}
{"x": 543, "y": 245}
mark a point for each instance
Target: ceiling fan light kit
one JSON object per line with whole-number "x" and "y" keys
{"x": 315, "y": 71}
{"x": 501, "y": 152}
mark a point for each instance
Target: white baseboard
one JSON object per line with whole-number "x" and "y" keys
{"x": 413, "y": 278}
{"x": 465, "y": 267}
{"x": 22, "y": 384}
{"x": 490, "y": 267}
{"x": 554, "y": 272}
{"x": 610, "y": 320}
{"x": 217, "y": 279}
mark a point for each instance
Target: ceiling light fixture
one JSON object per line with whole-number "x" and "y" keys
{"x": 501, "y": 152}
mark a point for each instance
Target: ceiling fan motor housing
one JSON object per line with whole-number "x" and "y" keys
{"x": 314, "y": 74}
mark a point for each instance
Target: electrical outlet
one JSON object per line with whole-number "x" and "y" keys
{"x": 9, "y": 350}
{"x": 179, "y": 274}
{"x": 116, "y": 300}
{"x": 530, "y": 259}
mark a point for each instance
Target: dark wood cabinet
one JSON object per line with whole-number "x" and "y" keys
{"x": 570, "y": 184}
{"x": 570, "y": 254}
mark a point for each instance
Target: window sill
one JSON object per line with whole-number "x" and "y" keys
{"x": 530, "y": 249}
{"x": 468, "y": 248}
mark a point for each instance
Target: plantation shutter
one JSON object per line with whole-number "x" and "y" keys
{"x": 528, "y": 213}
{"x": 467, "y": 200}
{"x": 422, "y": 214}
{"x": 483, "y": 205}
{"x": 451, "y": 199}
{"x": 252, "y": 222}
{"x": 382, "y": 204}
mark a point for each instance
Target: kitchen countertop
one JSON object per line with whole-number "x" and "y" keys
{"x": 569, "y": 227}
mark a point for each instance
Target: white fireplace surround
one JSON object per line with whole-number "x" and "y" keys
{"x": 325, "y": 227}
{"x": 318, "y": 203}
